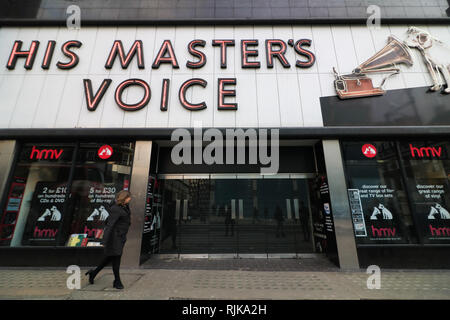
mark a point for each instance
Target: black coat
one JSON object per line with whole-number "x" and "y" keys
{"x": 116, "y": 229}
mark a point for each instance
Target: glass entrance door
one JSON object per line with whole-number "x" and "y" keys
{"x": 236, "y": 216}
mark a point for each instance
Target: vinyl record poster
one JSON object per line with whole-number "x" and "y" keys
{"x": 376, "y": 206}
{"x": 432, "y": 209}
{"x": 46, "y": 213}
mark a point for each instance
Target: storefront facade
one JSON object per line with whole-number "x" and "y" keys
{"x": 91, "y": 111}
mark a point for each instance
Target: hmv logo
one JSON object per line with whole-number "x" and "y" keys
{"x": 47, "y": 154}
{"x": 383, "y": 232}
{"x": 439, "y": 232}
{"x": 428, "y": 152}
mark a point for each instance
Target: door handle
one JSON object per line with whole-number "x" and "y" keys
{"x": 177, "y": 210}
{"x": 185, "y": 204}
{"x": 289, "y": 209}
{"x": 233, "y": 209}
{"x": 296, "y": 209}
{"x": 241, "y": 209}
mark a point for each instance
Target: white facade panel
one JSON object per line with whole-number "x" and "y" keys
{"x": 266, "y": 97}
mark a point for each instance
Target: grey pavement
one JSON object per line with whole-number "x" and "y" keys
{"x": 291, "y": 279}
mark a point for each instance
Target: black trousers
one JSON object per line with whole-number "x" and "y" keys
{"x": 115, "y": 261}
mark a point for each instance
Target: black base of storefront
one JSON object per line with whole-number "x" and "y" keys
{"x": 49, "y": 257}
{"x": 408, "y": 257}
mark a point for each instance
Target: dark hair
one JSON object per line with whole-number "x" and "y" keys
{"x": 121, "y": 196}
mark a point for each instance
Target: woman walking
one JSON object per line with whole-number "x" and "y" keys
{"x": 114, "y": 237}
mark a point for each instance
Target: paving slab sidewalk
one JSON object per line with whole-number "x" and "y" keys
{"x": 166, "y": 284}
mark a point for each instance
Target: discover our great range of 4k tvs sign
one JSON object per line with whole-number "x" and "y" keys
{"x": 275, "y": 51}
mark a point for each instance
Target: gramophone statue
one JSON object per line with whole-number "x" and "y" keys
{"x": 358, "y": 84}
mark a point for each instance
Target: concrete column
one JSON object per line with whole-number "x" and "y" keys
{"x": 345, "y": 238}
{"x": 7, "y": 150}
{"x": 138, "y": 189}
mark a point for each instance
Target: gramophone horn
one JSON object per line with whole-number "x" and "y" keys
{"x": 393, "y": 53}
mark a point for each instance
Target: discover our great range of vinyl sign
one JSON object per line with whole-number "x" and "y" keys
{"x": 275, "y": 49}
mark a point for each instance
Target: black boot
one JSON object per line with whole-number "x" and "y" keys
{"x": 117, "y": 284}
{"x": 92, "y": 275}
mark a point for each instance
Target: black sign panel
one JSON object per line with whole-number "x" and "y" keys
{"x": 46, "y": 213}
{"x": 375, "y": 213}
{"x": 432, "y": 210}
{"x": 403, "y": 107}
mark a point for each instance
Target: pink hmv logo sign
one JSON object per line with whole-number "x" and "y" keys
{"x": 369, "y": 150}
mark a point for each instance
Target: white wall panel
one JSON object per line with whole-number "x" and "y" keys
{"x": 147, "y": 36}
{"x": 26, "y": 35}
{"x": 103, "y": 44}
{"x": 261, "y": 33}
{"x": 305, "y": 32}
{"x": 7, "y": 38}
{"x": 289, "y": 100}
{"x": 49, "y": 101}
{"x": 178, "y": 115}
{"x": 134, "y": 94}
{"x": 27, "y": 102}
{"x": 345, "y": 48}
{"x": 324, "y": 46}
{"x": 183, "y": 35}
{"x": 224, "y": 33}
{"x": 92, "y": 119}
{"x": 310, "y": 91}
{"x": 205, "y": 116}
{"x": 268, "y": 110}
{"x": 275, "y": 97}
{"x": 247, "y": 98}
{"x": 223, "y": 118}
{"x": 207, "y": 34}
{"x": 363, "y": 44}
{"x": 72, "y": 105}
{"x": 63, "y": 36}
{"x": 88, "y": 36}
{"x": 156, "y": 118}
{"x": 10, "y": 90}
{"x": 242, "y": 33}
{"x": 127, "y": 35}
{"x": 44, "y": 35}
{"x": 285, "y": 33}
{"x": 112, "y": 115}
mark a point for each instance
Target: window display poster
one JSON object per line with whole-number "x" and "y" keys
{"x": 359, "y": 226}
{"x": 432, "y": 209}
{"x": 77, "y": 240}
{"x": 326, "y": 213}
{"x": 13, "y": 204}
{"x": 152, "y": 218}
{"x": 46, "y": 212}
{"x": 374, "y": 205}
{"x": 92, "y": 209}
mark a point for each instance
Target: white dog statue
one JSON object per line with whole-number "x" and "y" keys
{"x": 435, "y": 53}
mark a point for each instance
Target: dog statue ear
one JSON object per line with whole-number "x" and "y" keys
{"x": 422, "y": 38}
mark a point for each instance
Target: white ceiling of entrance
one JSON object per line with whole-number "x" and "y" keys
{"x": 277, "y": 97}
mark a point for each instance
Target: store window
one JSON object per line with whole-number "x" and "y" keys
{"x": 39, "y": 211}
{"x": 427, "y": 170}
{"x": 35, "y": 204}
{"x": 377, "y": 195}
